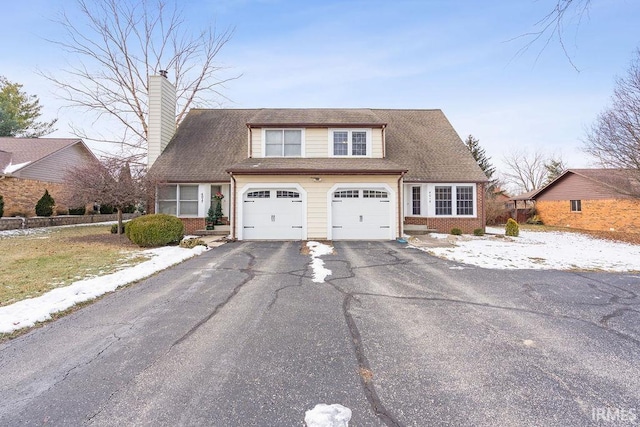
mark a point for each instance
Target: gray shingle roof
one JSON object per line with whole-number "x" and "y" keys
{"x": 315, "y": 116}
{"x": 210, "y": 142}
{"x": 29, "y": 150}
{"x": 622, "y": 181}
{"x": 32, "y": 149}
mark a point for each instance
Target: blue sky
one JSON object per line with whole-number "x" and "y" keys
{"x": 459, "y": 56}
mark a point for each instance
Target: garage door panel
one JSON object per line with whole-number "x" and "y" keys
{"x": 361, "y": 218}
{"x": 273, "y": 215}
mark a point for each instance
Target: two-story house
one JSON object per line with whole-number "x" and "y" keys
{"x": 296, "y": 174}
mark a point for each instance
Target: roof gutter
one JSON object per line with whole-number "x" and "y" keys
{"x": 316, "y": 171}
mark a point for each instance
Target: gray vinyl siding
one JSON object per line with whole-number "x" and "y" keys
{"x": 576, "y": 187}
{"x": 54, "y": 167}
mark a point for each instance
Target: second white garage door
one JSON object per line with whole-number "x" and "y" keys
{"x": 273, "y": 214}
{"x": 361, "y": 214}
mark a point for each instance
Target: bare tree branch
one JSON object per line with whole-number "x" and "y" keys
{"x": 614, "y": 138}
{"x": 553, "y": 25}
{"x": 116, "y": 44}
{"x": 530, "y": 171}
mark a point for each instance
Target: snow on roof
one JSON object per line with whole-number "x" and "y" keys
{"x": 11, "y": 168}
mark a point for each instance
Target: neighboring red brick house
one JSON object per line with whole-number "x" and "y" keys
{"x": 29, "y": 166}
{"x": 591, "y": 199}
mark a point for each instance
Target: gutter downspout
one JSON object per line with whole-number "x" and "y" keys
{"x": 234, "y": 203}
{"x": 384, "y": 142}
{"x": 400, "y": 203}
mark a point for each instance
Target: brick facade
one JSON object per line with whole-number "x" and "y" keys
{"x": 21, "y": 195}
{"x": 600, "y": 215}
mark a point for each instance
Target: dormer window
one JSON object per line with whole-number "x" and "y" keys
{"x": 283, "y": 142}
{"x": 350, "y": 142}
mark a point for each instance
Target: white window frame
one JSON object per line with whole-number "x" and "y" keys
{"x": 264, "y": 142}
{"x": 350, "y": 142}
{"x": 428, "y": 202}
{"x": 178, "y": 200}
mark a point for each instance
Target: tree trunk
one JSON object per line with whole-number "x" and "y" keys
{"x": 120, "y": 230}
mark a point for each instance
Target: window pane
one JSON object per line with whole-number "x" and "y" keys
{"x": 576, "y": 206}
{"x": 189, "y": 192}
{"x": 359, "y": 143}
{"x": 273, "y": 143}
{"x": 292, "y": 150}
{"x": 273, "y": 137}
{"x": 348, "y": 194}
{"x": 292, "y": 137}
{"x": 188, "y": 208}
{"x": 374, "y": 194}
{"x": 340, "y": 143}
{"x": 443, "y": 200}
{"x": 167, "y": 207}
{"x": 415, "y": 200}
{"x": 262, "y": 194}
{"x": 464, "y": 200}
{"x": 167, "y": 192}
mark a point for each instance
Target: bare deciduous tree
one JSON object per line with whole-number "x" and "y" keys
{"x": 529, "y": 171}
{"x": 115, "y": 45}
{"x": 554, "y": 25}
{"x": 614, "y": 138}
{"x": 110, "y": 182}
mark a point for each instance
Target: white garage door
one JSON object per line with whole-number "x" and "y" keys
{"x": 272, "y": 214}
{"x": 361, "y": 214}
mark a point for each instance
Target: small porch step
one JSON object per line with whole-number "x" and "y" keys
{"x": 219, "y": 230}
{"x": 418, "y": 229}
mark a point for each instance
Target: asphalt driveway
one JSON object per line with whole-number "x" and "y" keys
{"x": 242, "y": 336}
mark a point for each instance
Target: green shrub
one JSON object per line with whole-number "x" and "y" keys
{"x": 1, "y": 207}
{"x": 155, "y": 230}
{"x": 456, "y": 231}
{"x": 192, "y": 243}
{"x": 78, "y": 211}
{"x": 45, "y": 205}
{"x": 129, "y": 209}
{"x": 512, "y": 228}
{"x": 478, "y": 232}
{"x": 106, "y": 209}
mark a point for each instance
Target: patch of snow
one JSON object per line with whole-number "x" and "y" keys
{"x": 9, "y": 169}
{"x": 323, "y": 415}
{"x": 541, "y": 251}
{"x": 317, "y": 250}
{"x": 28, "y": 312}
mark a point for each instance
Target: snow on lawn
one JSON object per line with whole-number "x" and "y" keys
{"x": 540, "y": 250}
{"x": 316, "y": 250}
{"x": 26, "y": 313}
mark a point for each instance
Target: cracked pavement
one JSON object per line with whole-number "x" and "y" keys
{"x": 241, "y": 335}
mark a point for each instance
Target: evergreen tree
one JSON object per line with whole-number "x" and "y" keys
{"x": 45, "y": 205}
{"x": 481, "y": 158}
{"x": 1, "y": 207}
{"x": 555, "y": 168}
{"x": 19, "y": 112}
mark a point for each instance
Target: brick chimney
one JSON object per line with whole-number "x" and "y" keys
{"x": 162, "y": 115}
